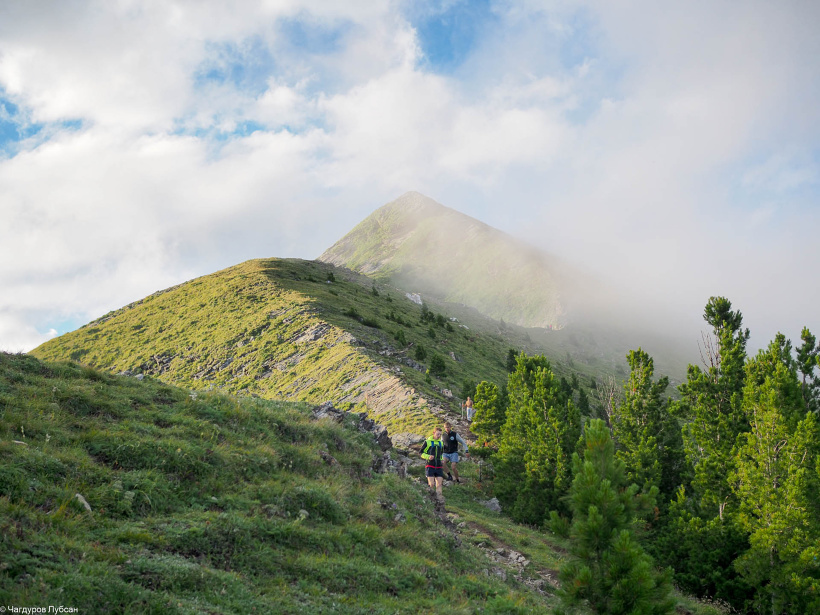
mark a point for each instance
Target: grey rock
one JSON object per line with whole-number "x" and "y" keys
{"x": 493, "y": 505}
{"x": 382, "y": 437}
{"x": 414, "y": 364}
{"x": 83, "y": 501}
{"x": 328, "y": 411}
{"x": 405, "y": 440}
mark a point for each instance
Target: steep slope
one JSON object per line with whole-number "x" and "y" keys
{"x": 280, "y": 329}
{"x": 423, "y": 246}
{"x": 121, "y": 496}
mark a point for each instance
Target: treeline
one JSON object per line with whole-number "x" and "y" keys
{"x": 717, "y": 491}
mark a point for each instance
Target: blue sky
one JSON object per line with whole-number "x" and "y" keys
{"x": 671, "y": 151}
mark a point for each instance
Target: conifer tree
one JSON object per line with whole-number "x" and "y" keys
{"x": 647, "y": 436}
{"x": 536, "y": 443}
{"x": 711, "y": 399}
{"x": 776, "y": 482}
{"x": 808, "y": 358}
{"x": 608, "y": 572}
{"x": 583, "y": 402}
{"x": 489, "y": 412}
{"x": 700, "y": 536}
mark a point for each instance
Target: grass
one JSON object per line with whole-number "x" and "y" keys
{"x": 208, "y": 503}
{"x": 279, "y": 329}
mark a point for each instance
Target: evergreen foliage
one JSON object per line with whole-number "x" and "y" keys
{"x": 647, "y": 436}
{"x": 702, "y": 552}
{"x": 775, "y": 480}
{"x": 437, "y": 366}
{"x": 608, "y": 570}
{"x": 808, "y": 358}
{"x": 468, "y": 389}
{"x": 711, "y": 400}
{"x": 536, "y": 443}
{"x": 512, "y": 354}
{"x": 583, "y": 403}
{"x": 490, "y": 412}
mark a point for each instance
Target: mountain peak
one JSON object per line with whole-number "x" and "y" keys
{"x": 424, "y": 246}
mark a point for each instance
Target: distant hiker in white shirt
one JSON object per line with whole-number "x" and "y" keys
{"x": 451, "y": 441}
{"x": 468, "y": 406}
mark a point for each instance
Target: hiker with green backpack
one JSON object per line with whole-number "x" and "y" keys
{"x": 433, "y": 452}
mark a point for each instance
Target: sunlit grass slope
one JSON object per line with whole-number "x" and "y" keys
{"x": 279, "y": 329}
{"x": 214, "y": 504}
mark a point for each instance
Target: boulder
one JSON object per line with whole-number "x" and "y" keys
{"x": 406, "y": 440}
{"x": 493, "y": 505}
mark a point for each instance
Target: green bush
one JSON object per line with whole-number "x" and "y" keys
{"x": 437, "y": 366}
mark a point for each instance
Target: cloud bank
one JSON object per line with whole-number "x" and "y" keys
{"x": 672, "y": 151}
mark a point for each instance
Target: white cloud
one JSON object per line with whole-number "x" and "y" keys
{"x": 633, "y": 140}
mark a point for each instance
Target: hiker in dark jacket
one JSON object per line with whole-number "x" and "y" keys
{"x": 432, "y": 452}
{"x": 451, "y": 441}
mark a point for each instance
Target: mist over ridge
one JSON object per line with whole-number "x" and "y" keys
{"x": 423, "y": 246}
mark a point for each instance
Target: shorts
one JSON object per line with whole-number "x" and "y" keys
{"x": 451, "y": 457}
{"x": 434, "y": 472}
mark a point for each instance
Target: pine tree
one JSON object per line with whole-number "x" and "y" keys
{"x": 489, "y": 412}
{"x": 711, "y": 399}
{"x": 700, "y": 535}
{"x": 512, "y": 354}
{"x": 775, "y": 480}
{"x": 647, "y": 436}
{"x": 536, "y": 443}
{"x": 583, "y": 402}
{"x": 608, "y": 570}
{"x": 808, "y": 358}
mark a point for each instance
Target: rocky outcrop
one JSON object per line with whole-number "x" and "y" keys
{"x": 328, "y": 411}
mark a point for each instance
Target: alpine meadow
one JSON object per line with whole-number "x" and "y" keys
{"x": 249, "y": 441}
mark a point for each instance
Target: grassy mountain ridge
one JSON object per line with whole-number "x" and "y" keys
{"x": 426, "y": 247}
{"x": 277, "y": 328}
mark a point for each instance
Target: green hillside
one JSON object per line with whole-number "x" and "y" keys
{"x": 280, "y": 330}
{"x": 212, "y": 504}
{"x": 425, "y": 247}
{"x": 126, "y": 496}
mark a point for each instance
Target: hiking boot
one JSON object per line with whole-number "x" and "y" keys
{"x": 449, "y": 476}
